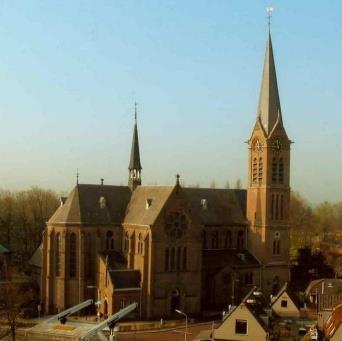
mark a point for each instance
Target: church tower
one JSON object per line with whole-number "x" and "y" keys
{"x": 268, "y": 193}
{"x": 134, "y": 167}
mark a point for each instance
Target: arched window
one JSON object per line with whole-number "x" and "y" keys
{"x": 214, "y": 240}
{"x": 88, "y": 259}
{"x": 179, "y": 256}
{"x": 240, "y": 240}
{"x": 167, "y": 256}
{"x": 228, "y": 240}
{"x": 184, "y": 258}
{"x": 276, "y": 243}
{"x": 204, "y": 240}
{"x": 72, "y": 255}
{"x": 172, "y": 265}
{"x": 126, "y": 242}
{"x": 109, "y": 240}
{"x": 58, "y": 244}
{"x": 281, "y": 171}
{"x": 255, "y": 170}
{"x": 274, "y": 170}
{"x": 260, "y": 170}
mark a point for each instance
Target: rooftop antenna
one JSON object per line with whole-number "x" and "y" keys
{"x": 269, "y": 11}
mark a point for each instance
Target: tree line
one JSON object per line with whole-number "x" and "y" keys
{"x": 23, "y": 216}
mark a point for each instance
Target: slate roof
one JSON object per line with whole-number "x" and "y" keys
{"x": 3, "y": 250}
{"x": 83, "y": 205}
{"x": 257, "y": 308}
{"x": 224, "y": 206}
{"x": 136, "y": 211}
{"x": 269, "y": 103}
{"x": 115, "y": 260}
{"x": 125, "y": 278}
{"x": 134, "y": 162}
{"x": 37, "y": 257}
{"x": 218, "y": 259}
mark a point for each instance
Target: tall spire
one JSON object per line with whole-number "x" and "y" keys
{"x": 269, "y": 109}
{"x": 134, "y": 166}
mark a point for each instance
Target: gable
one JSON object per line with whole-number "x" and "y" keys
{"x": 226, "y": 331}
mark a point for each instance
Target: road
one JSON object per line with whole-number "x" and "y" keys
{"x": 165, "y": 335}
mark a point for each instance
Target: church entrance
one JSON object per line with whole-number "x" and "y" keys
{"x": 175, "y": 300}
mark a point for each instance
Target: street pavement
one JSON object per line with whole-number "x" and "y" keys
{"x": 165, "y": 335}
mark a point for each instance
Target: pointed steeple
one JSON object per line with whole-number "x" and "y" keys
{"x": 269, "y": 110}
{"x": 134, "y": 166}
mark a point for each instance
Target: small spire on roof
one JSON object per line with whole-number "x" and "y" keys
{"x": 77, "y": 176}
{"x": 102, "y": 179}
{"x": 177, "y": 179}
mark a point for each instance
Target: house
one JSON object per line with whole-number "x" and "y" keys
{"x": 285, "y": 303}
{"x": 250, "y": 320}
{"x": 332, "y": 327}
{"x": 324, "y": 293}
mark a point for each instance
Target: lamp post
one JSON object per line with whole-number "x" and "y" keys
{"x": 186, "y": 322}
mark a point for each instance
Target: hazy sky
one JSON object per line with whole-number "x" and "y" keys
{"x": 70, "y": 72}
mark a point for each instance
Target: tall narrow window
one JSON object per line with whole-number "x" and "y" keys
{"x": 272, "y": 206}
{"x": 72, "y": 255}
{"x": 214, "y": 240}
{"x": 228, "y": 240}
{"x": 179, "y": 256}
{"x": 109, "y": 240}
{"x": 255, "y": 170}
{"x": 277, "y": 207}
{"x": 240, "y": 240}
{"x": 184, "y": 258}
{"x": 276, "y": 243}
{"x": 172, "y": 267}
{"x": 281, "y": 171}
{"x": 126, "y": 241}
{"x": 58, "y": 243}
{"x": 140, "y": 244}
{"x": 274, "y": 170}
{"x": 167, "y": 256}
{"x": 88, "y": 258}
{"x": 281, "y": 207}
{"x": 260, "y": 170}
{"x": 204, "y": 240}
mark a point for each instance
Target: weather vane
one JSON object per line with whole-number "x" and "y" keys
{"x": 269, "y": 11}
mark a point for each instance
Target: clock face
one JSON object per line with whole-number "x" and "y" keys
{"x": 276, "y": 145}
{"x": 176, "y": 225}
{"x": 258, "y": 146}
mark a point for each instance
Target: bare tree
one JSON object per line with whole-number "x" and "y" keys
{"x": 227, "y": 185}
{"x": 238, "y": 184}
{"x": 213, "y": 184}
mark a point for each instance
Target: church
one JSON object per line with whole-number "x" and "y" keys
{"x": 174, "y": 247}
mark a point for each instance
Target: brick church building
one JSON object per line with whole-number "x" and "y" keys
{"x": 172, "y": 247}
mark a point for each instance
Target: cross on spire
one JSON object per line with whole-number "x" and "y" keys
{"x": 269, "y": 11}
{"x": 135, "y": 112}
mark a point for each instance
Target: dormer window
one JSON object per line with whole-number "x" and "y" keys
{"x": 148, "y": 203}
{"x": 102, "y": 202}
{"x": 204, "y": 204}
